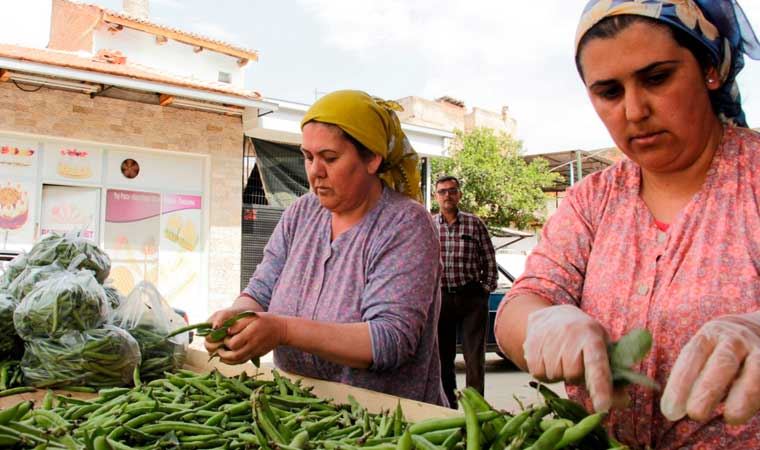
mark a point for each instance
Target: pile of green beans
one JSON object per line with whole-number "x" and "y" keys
{"x": 71, "y": 301}
{"x": 25, "y": 282}
{"x": 10, "y": 375}
{"x": 159, "y": 354}
{"x": 11, "y": 346}
{"x": 187, "y": 410}
{"x": 67, "y": 248}
{"x": 101, "y": 357}
{"x": 12, "y": 270}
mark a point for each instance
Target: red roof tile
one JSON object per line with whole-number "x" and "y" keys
{"x": 131, "y": 70}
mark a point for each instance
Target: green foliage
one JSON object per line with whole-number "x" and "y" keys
{"x": 497, "y": 184}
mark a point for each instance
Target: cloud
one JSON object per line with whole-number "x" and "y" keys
{"x": 488, "y": 53}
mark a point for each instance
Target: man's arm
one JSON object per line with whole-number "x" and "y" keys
{"x": 490, "y": 273}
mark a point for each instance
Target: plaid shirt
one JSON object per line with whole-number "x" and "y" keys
{"x": 467, "y": 252}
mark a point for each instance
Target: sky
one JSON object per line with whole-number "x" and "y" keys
{"x": 488, "y": 53}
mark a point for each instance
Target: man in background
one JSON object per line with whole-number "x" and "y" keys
{"x": 469, "y": 275}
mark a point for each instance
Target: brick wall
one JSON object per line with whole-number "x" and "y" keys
{"x": 77, "y": 116}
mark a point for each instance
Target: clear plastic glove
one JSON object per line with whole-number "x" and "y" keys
{"x": 722, "y": 361}
{"x": 564, "y": 343}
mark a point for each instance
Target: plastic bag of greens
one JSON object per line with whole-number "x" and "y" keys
{"x": 101, "y": 357}
{"x": 11, "y": 346}
{"x": 149, "y": 318}
{"x": 29, "y": 277}
{"x": 72, "y": 301}
{"x": 65, "y": 248}
{"x": 114, "y": 297}
{"x": 12, "y": 270}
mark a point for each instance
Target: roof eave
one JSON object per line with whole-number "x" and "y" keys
{"x": 133, "y": 83}
{"x": 242, "y": 55}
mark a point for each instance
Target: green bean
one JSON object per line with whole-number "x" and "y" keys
{"x": 16, "y": 390}
{"x": 8, "y": 414}
{"x": 548, "y": 423}
{"x": 472, "y": 426}
{"x": 452, "y": 422}
{"x": 453, "y": 439}
{"x": 580, "y": 430}
{"x": 549, "y": 438}
{"x": 510, "y": 429}
{"x": 423, "y": 444}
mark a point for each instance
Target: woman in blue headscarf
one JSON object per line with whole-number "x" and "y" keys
{"x": 667, "y": 240}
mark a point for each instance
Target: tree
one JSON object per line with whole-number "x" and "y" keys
{"x": 498, "y": 184}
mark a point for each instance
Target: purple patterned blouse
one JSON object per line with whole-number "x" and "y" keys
{"x": 385, "y": 270}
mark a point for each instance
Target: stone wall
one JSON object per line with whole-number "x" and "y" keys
{"x": 77, "y": 116}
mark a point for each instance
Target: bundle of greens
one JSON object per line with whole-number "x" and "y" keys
{"x": 10, "y": 344}
{"x": 30, "y": 276}
{"x": 12, "y": 270}
{"x": 149, "y": 318}
{"x": 72, "y": 301}
{"x": 101, "y": 357}
{"x": 67, "y": 248}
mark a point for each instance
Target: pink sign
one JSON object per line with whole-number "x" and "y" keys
{"x": 131, "y": 206}
{"x": 179, "y": 202}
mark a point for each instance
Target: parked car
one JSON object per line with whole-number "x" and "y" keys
{"x": 510, "y": 266}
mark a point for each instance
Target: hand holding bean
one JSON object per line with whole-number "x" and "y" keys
{"x": 564, "y": 343}
{"x": 252, "y": 337}
{"x": 722, "y": 361}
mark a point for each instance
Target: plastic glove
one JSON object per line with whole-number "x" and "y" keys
{"x": 721, "y": 361}
{"x": 564, "y": 343}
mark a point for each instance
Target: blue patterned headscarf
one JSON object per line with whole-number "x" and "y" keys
{"x": 720, "y": 25}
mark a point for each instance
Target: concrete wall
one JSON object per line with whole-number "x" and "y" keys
{"x": 429, "y": 113}
{"x": 172, "y": 57}
{"x": 483, "y": 118}
{"x": 77, "y": 116}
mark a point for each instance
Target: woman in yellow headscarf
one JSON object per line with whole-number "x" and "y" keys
{"x": 348, "y": 288}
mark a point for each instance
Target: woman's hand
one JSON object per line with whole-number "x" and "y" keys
{"x": 216, "y": 320}
{"x": 252, "y": 337}
{"x": 564, "y": 343}
{"x": 721, "y": 361}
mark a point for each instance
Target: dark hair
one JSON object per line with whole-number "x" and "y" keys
{"x": 445, "y": 178}
{"x": 609, "y": 27}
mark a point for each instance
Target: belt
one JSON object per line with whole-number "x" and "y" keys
{"x": 456, "y": 289}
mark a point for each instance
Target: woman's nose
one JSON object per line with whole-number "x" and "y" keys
{"x": 636, "y": 105}
{"x": 316, "y": 168}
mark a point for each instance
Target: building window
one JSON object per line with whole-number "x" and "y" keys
{"x": 225, "y": 77}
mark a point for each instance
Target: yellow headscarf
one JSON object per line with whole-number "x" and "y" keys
{"x": 373, "y": 122}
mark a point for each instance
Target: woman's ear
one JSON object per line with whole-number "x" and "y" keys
{"x": 712, "y": 80}
{"x": 373, "y": 165}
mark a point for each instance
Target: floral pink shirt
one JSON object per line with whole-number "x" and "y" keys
{"x": 602, "y": 251}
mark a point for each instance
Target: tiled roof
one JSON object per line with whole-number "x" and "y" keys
{"x": 171, "y": 32}
{"x": 136, "y": 71}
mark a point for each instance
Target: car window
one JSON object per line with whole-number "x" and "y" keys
{"x": 511, "y": 263}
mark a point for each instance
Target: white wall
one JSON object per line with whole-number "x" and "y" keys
{"x": 286, "y": 124}
{"x": 173, "y": 57}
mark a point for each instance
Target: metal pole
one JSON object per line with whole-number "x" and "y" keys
{"x": 572, "y": 174}
{"x": 579, "y": 158}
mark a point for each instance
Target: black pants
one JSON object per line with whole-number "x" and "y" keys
{"x": 467, "y": 307}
